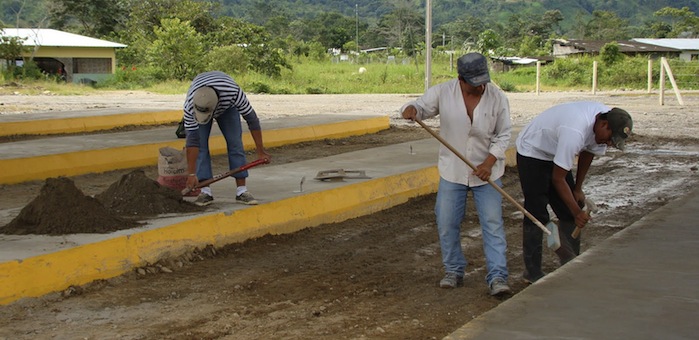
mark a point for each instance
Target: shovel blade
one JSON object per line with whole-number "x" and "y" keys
{"x": 553, "y": 240}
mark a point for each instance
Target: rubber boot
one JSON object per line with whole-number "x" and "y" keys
{"x": 570, "y": 247}
{"x": 532, "y": 238}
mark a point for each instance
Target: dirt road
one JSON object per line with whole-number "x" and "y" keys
{"x": 371, "y": 277}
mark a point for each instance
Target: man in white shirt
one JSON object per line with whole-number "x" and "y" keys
{"x": 546, "y": 150}
{"x": 475, "y": 119}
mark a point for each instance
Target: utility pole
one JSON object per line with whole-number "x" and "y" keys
{"x": 428, "y": 44}
{"x": 356, "y": 27}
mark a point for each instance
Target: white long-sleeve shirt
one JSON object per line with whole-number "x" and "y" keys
{"x": 489, "y": 133}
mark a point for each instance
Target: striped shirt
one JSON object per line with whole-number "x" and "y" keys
{"x": 229, "y": 94}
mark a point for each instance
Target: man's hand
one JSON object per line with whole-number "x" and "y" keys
{"x": 582, "y": 218}
{"x": 192, "y": 181}
{"x": 264, "y": 155}
{"x": 409, "y": 113}
{"x": 485, "y": 169}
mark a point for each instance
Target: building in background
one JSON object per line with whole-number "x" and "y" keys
{"x": 75, "y": 58}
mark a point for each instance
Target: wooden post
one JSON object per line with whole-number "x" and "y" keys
{"x": 666, "y": 65}
{"x": 662, "y": 83}
{"x": 538, "y": 77}
{"x": 650, "y": 75}
{"x": 594, "y": 77}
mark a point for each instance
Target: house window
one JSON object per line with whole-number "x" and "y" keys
{"x": 92, "y": 65}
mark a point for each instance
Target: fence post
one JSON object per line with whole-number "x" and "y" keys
{"x": 538, "y": 77}
{"x": 594, "y": 77}
{"x": 662, "y": 83}
{"x": 650, "y": 75}
{"x": 666, "y": 65}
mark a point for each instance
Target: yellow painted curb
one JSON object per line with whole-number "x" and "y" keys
{"x": 40, "y": 275}
{"x": 88, "y": 124}
{"x": 19, "y": 170}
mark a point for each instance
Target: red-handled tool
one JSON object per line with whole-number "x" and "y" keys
{"x": 226, "y": 174}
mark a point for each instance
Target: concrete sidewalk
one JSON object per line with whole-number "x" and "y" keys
{"x": 38, "y": 159}
{"x": 642, "y": 283}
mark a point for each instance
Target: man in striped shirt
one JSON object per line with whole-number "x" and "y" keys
{"x": 216, "y": 96}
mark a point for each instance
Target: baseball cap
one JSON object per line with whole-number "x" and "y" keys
{"x": 620, "y": 123}
{"x": 204, "y": 100}
{"x": 473, "y": 68}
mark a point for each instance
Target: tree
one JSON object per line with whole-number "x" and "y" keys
{"x": 177, "y": 51}
{"x": 488, "y": 41}
{"x": 138, "y": 31}
{"x": 96, "y": 18}
{"x": 229, "y": 59}
{"x": 262, "y": 52}
{"x": 606, "y": 25}
{"x": 402, "y": 27}
{"x": 464, "y": 31}
{"x": 11, "y": 48}
{"x": 675, "y": 23}
{"x": 610, "y": 53}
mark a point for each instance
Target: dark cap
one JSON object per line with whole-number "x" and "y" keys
{"x": 205, "y": 100}
{"x": 620, "y": 123}
{"x": 473, "y": 69}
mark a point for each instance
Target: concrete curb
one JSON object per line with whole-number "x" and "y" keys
{"x": 88, "y": 123}
{"x": 40, "y": 275}
{"x": 17, "y": 170}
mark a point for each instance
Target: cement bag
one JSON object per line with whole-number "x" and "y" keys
{"x": 172, "y": 169}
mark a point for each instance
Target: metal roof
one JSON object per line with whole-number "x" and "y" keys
{"x": 677, "y": 43}
{"x": 55, "y": 38}
{"x": 625, "y": 46}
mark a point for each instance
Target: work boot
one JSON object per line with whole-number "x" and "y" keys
{"x": 532, "y": 238}
{"x": 451, "y": 280}
{"x": 499, "y": 287}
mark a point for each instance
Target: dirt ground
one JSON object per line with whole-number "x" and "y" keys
{"x": 372, "y": 277}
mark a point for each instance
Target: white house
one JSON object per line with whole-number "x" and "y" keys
{"x": 77, "y": 57}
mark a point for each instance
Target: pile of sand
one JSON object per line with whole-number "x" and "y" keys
{"x": 61, "y": 208}
{"x": 136, "y": 195}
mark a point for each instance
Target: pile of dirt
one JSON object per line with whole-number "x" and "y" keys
{"x": 61, "y": 208}
{"x": 136, "y": 195}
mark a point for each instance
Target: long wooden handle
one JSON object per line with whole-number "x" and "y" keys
{"x": 226, "y": 174}
{"x": 591, "y": 207}
{"x": 497, "y": 187}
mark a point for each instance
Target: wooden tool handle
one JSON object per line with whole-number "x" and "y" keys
{"x": 590, "y": 208}
{"x": 497, "y": 187}
{"x": 226, "y": 174}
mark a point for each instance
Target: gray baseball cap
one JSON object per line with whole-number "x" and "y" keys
{"x": 205, "y": 100}
{"x": 473, "y": 68}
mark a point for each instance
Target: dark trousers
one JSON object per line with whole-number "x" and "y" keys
{"x": 535, "y": 178}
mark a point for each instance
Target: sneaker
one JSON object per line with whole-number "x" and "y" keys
{"x": 499, "y": 286}
{"x": 451, "y": 280}
{"x": 203, "y": 200}
{"x": 246, "y": 198}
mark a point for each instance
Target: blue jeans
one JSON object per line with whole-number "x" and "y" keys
{"x": 229, "y": 123}
{"x": 450, "y": 210}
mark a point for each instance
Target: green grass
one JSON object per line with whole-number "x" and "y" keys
{"x": 313, "y": 77}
